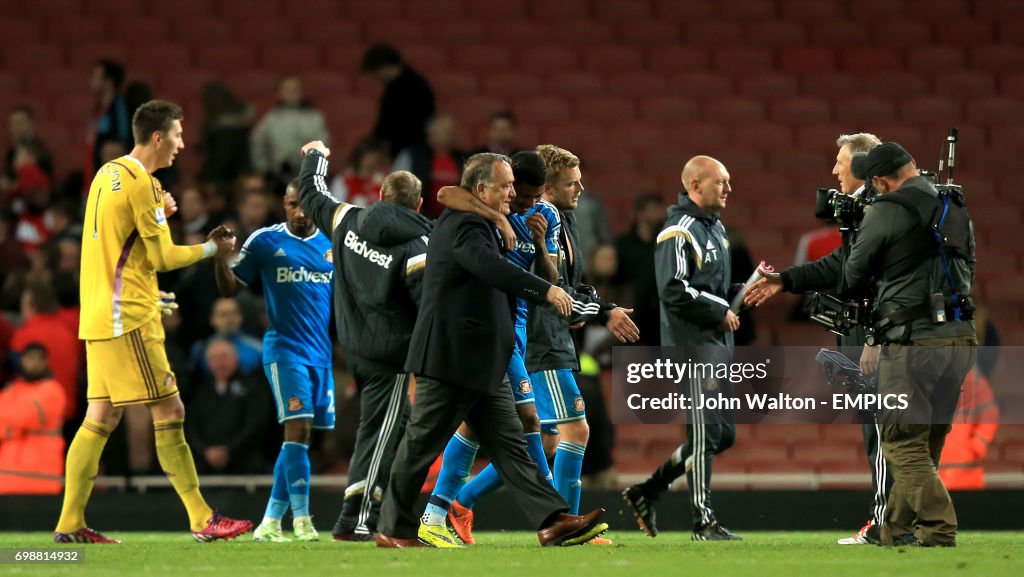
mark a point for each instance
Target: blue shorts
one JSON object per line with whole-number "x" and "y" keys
{"x": 522, "y": 388}
{"x": 558, "y": 397}
{"x": 302, "y": 392}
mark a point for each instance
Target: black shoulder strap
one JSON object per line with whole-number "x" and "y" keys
{"x": 917, "y": 244}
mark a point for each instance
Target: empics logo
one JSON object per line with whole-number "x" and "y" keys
{"x": 288, "y": 274}
{"x": 361, "y": 248}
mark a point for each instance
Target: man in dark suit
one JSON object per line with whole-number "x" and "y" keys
{"x": 459, "y": 352}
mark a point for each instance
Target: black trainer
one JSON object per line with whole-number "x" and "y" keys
{"x": 642, "y": 508}
{"x": 715, "y": 532}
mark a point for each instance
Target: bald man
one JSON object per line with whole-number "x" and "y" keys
{"x": 691, "y": 261}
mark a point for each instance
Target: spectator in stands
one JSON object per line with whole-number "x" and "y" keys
{"x": 12, "y": 259}
{"x": 636, "y": 265}
{"x": 281, "y": 133}
{"x": 602, "y": 271}
{"x": 112, "y": 149}
{"x": 111, "y": 117}
{"x": 359, "y": 183}
{"x": 229, "y": 415}
{"x": 32, "y": 410}
{"x": 436, "y": 163}
{"x": 591, "y": 222}
{"x": 43, "y": 325}
{"x": 22, "y": 130}
{"x": 960, "y": 466}
{"x": 28, "y": 180}
{"x": 407, "y": 103}
{"x": 224, "y": 144}
{"x": 226, "y": 320}
{"x": 501, "y": 134}
{"x": 253, "y": 213}
{"x": 192, "y": 213}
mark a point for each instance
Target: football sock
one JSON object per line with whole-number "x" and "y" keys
{"x": 296, "y": 473}
{"x": 568, "y": 467}
{"x": 535, "y": 447}
{"x": 277, "y": 506}
{"x": 436, "y": 511}
{"x": 83, "y": 463}
{"x": 485, "y": 483}
{"x": 176, "y": 461}
{"x": 455, "y": 467}
{"x": 667, "y": 473}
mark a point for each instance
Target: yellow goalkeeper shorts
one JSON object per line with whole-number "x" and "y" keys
{"x": 132, "y": 368}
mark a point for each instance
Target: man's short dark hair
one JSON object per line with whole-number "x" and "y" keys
{"x": 480, "y": 169}
{"x": 379, "y": 56}
{"x": 504, "y": 115}
{"x": 34, "y": 347}
{"x": 154, "y": 116}
{"x": 113, "y": 71}
{"x": 403, "y": 188}
{"x": 528, "y": 168}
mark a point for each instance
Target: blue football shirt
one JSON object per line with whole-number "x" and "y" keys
{"x": 524, "y": 254}
{"x": 297, "y": 276}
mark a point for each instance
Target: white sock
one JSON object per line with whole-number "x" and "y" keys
{"x": 271, "y": 521}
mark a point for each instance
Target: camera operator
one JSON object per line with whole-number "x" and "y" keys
{"x": 920, "y": 243}
{"x": 826, "y": 275}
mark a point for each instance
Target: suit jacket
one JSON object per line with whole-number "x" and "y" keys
{"x": 464, "y": 329}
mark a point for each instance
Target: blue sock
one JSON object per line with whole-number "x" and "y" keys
{"x": 278, "y": 504}
{"x": 568, "y": 466}
{"x": 485, "y": 483}
{"x": 296, "y": 471}
{"x": 535, "y": 447}
{"x": 456, "y": 464}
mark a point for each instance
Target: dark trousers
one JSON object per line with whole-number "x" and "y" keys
{"x": 708, "y": 433}
{"x": 383, "y": 413}
{"x": 931, "y": 372}
{"x": 438, "y": 410}
{"x": 881, "y": 477}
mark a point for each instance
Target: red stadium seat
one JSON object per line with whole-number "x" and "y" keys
{"x": 49, "y": 8}
{"x": 140, "y": 30}
{"x": 72, "y": 29}
{"x": 483, "y": 58}
{"x": 608, "y": 158}
{"x": 675, "y": 10}
{"x": 572, "y": 83}
{"x": 801, "y": 110}
{"x": 258, "y": 31}
{"x": 321, "y": 85}
{"x": 648, "y": 32}
{"x": 965, "y": 85}
{"x": 1008, "y": 136}
{"x": 910, "y": 135}
{"x": 571, "y": 135}
{"x": 936, "y": 59}
{"x": 456, "y": 32}
{"x": 714, "y": 33}
{"x": 538, "y": 9}
{"x": 397, "y": 32}
{"x": 10, "y": 84}
{"x": 288, "y": 59}
{"x": 738, "y": 160}
{"x": 174, "y": 10}
{"x": 32, "y": 57}
{"x": 775, "y": 33}
{"x": 309, "y": 11}
{"x": 703, "y": 85}
{"x": 637, "y": 136}
{"x": 964, "y": 32}
{"x": 796, "y": 159}
{"x": 346, "y": 109}
{"x": 522, "y": 33}
{"x": 996, "y": 58}
{"x": 830, "y": 33}
{"x": 553, "y": 59}
{"x": 812, "y": 11}
{"x": 820, "y": 134}
{"x": 225, "y": 58}
{"x": 264, "y": 9}
{"x": 344, "y": 58}
{"x": 72, "y": 110}
{"x": 859, "y": 60}
{"x": 373, "y": 10}
{"x": 734, "y": 109}
{"x": 940, "y": 10}
{"x": 835, "y": 85}
{"x": 996, "y": 110}
{"x": 999, "y": 9}
{"x": 621, "y": 10}
{"x": 330, "y": 32}
{"x": 747, "y": 10}
{"x": 110, "y": 8}
{"x": 477, "y": 110}
{"x": 179, "y": 85}
{"x": 85, "y": 55}
{"x": 20, "y": 30}
{"x": 806, "y": 60}
{"x": 676, "y": 59}
{"x": 458, "y": 84}
{"x": 902, "y": 32}
{"x": 542, "y": 109}
{"x": 162, "y": 57}
{"x": 868, "y": 10}
{"x": 762, "y": 135}
{"x": 613, "y": 60}
{"x": 253, "y": 84}
{"x": 668, "y": 109}
{"x": 604, "y": 109}
{"x": 436, "y": 9}
{"x": 636, "y": 84}
{"x": 202, "y": 31}
{"x": 699, "y": 134}
{"x": 742, "y": 60}
{"x": 861, "y": 110}
{"x": 426, "y": 58}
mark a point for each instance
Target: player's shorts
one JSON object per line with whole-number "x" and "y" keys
{"x": 558, "y": 397}
{"x": 522, "y": 387}
{"x": 130, "y": 369}
{"x": 302, "y": 392}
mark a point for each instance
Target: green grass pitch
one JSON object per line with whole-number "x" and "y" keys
{"x": 517, "y": 555}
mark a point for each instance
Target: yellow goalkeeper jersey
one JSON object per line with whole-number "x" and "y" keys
{"x": 118, "y": 288}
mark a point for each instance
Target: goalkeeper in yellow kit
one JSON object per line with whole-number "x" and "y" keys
{"x": 125, "y": 242}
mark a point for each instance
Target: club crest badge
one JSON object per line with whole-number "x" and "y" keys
{"x": 524, "y": 387}
{"x": 578, "y": 405}
{"x": 294, "y": 404}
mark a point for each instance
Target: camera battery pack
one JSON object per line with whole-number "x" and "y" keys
{"x": 937, "y": 303}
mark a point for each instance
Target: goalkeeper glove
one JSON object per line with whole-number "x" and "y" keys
{"x": 167, "y": 304}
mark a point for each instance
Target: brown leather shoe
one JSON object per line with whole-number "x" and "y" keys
{"x": 572, "y": 529}
{"x": 398, "y": 543}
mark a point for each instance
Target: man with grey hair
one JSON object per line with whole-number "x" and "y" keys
{"x": 460, "y": 350}
{"x": 826, "y": 275}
